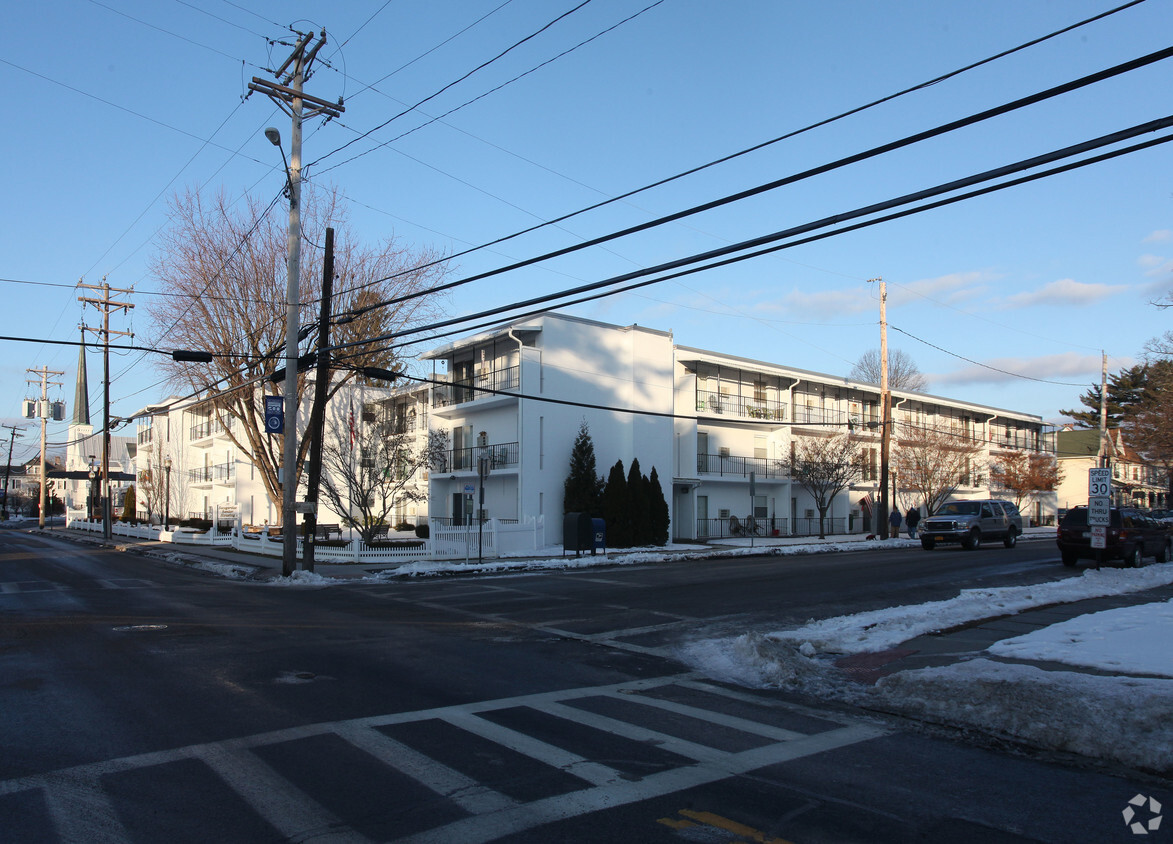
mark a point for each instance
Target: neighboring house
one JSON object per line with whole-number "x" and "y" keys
{"x": 210, "y": 474}
{"x": 1135, "y": 483}
{"x": 703, "y": 419}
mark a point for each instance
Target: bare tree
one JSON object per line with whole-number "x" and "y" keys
{"x": 370, "y": 468}
{"x": 931, "y": 463}
{"x": 1022, "y": 474}
{"x": 225, "y": 270}
{"x": 825, "y": 466}
{"x": 152, "y": 482}
{"x": 1150, "y": 424}
{"x": 903, "y": 373}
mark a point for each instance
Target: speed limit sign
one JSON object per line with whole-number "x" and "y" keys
{"x": 1099, "y": 482}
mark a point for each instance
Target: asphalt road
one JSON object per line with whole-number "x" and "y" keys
{"x": 143, "y": 701}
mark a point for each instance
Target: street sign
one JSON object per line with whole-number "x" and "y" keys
{"x": 469, "y": 489}
{"x": 1099, "y": 537}
{"x": 1099, "y": 511}
{"x": 1099, "y": 481}
{"x": 274, "y": 415}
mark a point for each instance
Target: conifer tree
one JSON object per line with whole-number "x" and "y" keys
{"x": 583, "y": 490}
{"x": 641, "y": 528}
{"x": 657, "y": 510}
{"x": 616, "y": 505}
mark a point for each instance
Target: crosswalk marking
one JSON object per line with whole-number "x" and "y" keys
{"x": 21, "y": 587}
{"x": 81, "y": 810}
{"x": 288, "y": 809}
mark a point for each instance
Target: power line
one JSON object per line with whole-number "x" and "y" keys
{"x": 795, "y": 132}
{"x": 983, "y": 365}
{"x": 493, "y": 90}
{"x": 432, "y": 96}
{"x": 873, "y": 152}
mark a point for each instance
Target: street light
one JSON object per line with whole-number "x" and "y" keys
{"x": 167, "y": 500}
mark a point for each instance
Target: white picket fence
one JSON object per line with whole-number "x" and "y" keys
{"x": 445, "y": 542}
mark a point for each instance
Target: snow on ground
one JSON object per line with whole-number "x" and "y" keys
{"x": 1119, "y": 718}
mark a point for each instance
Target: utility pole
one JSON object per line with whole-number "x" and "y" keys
{"x": 885, "y": 412}
{"x": 43, "y": 411}
{"x": 14, "y": 432}
{"x": 105, "y": 305}
{"x": 290, "y": 98}
{"x": 318, "y": 411}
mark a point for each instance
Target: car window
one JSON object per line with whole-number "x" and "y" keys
{"x": 997, "y": 508}
{"x": 1075, "y": 518}
{"x": 987, "y": 513}
{"x": 959, "y": 508}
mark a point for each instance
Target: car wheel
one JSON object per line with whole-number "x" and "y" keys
{"x": 1011, "y": 538}
{"x": 973, "y": 541}
{"x": 927, "y": 543}
{"x": 1069, "y": 558}
{"x": 1164, "y": 554}
{"x": 1133, "y": 559}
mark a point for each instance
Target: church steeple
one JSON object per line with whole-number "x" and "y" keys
{"x": 81, "y": 396}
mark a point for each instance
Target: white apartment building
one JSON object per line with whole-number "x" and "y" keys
{"x": 703, "y": 419}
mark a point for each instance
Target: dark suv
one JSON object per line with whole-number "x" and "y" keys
{"x": 1130, "y": 537}
{"x": 971, "y": 523}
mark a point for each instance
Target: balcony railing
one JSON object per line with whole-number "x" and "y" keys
{"x": 710, "y": 402}
{"x": 730, "y": 465}
{"x": 207, "y": 428}
{"x": 471, "y": 389}
{"x": 500, "y": 456}
{"x": 212, "y": 474}
{"x": 822, "y": 416}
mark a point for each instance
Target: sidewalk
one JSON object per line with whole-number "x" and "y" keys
{"x": 261, "y": 567}
{"x": 970, "y": 641}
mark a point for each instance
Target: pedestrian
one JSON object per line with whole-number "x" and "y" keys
{"x": 912, "y": 520}
{"x": 894, "y": 522}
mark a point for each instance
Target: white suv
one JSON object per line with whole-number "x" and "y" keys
{"x": 971, "y": 523}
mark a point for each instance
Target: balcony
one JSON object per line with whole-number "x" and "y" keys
{"x": 748, "y": 408}
{"x": 207, "y": 428}
{"x": 218, "y": 474}
{"x": 733, "y": 466}
{"x": 471, "y": 389}
{"x": 823, "y": 417}
{"x": 501, "y": 456}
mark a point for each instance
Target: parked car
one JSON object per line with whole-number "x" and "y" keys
{"x": 1130, "y": 537}
{"x": 971, "y": 523}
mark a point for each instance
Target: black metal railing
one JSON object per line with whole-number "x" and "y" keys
{"x": 826, "y": 416}
{"x": 501, "y": 455}
{"x": 208, "y": 428}
{"x": 471, "y": 389}
{"x": 750, "y": 408}
{"x": 730, "y": 465}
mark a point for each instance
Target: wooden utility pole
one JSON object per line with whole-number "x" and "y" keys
{"x": 43, "y": 411}
{"x": 885, "y": 412}
{"x": 14, "y": 431}
{"x": 290, "y": 98}
{"x": 105, "y": 305}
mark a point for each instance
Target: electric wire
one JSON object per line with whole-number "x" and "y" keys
{"x": 845, "y": 161}
{"x": 432, "y": 96}
{"x": 796, "y": 132}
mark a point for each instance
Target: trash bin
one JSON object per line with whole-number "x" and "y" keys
{"x": 599, "y": 535}
{"x": 576, "y": 533}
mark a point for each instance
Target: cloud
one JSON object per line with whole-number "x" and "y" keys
{"x": 1068, "y": 367}
{"x": 951, "y": 289}
{"x": 826, "y": 303}
{"x": 1065, "y": 291}
{"x": 1155, "y": 265}
{"x": 1159, "y": 236}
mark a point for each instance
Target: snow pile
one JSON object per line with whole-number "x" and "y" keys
{"x": 1124, "y": 719}
{"x": 882, "y": 629}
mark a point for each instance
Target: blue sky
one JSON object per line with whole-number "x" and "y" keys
{"x": 1006, "y": 299}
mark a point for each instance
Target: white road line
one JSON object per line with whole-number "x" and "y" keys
{"x": 466, "y": 792}
{"x": 675, "y": 744}
{"x": 556, "y": 757}
{"x": 81, "y": 810}
{"x": 742, "y": 724}
{"x": 512, "y": 821}
{"x": 288, "y": 809}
